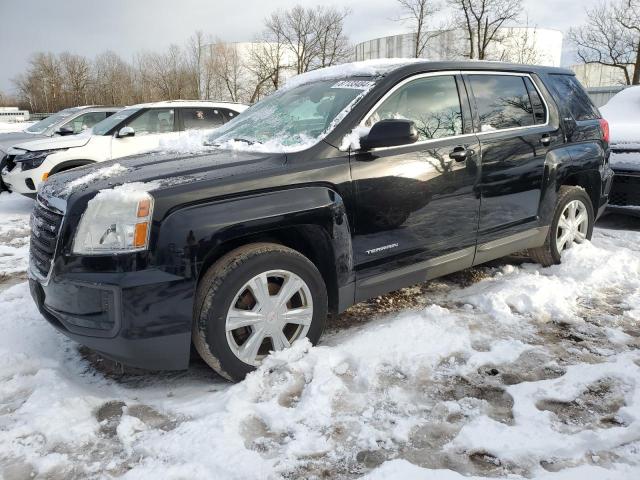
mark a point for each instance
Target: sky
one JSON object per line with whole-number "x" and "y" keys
{"x": 126, "y": 26}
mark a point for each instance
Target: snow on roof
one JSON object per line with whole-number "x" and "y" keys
{"x": 623, "y": 114}
{"x": 370, "y": 68}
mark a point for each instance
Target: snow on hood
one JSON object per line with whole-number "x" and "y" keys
{"x": 367, "y": 68}
{"x": 623, "y": 114}
{"x": 53, "y": 143}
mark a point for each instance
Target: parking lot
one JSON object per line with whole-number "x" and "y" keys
{"x": 504, "y": 369}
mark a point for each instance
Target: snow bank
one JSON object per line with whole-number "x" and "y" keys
{"x": 528, "y": 373}
{"x": 14, "y": 233}
{"x": 622, "y": 112}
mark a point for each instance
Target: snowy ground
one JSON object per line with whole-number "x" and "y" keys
{"x": 509, "y": 370}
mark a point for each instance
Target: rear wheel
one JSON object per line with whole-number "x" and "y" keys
{"x": 572, "y": 223}
{"x": 256, "y": 299}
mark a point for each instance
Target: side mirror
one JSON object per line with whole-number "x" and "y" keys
{"x": 66, "y": 130}
{"x": 390, "y": 133}
{"x": 126, "y": 132}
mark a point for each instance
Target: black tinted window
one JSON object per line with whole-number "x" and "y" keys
{"x": 571, "y": 94}
{"x": 432, "y": 103}
{"x": 228, "y": 114}
{"x": 201, "y": 118}
{"x": 502, "y": 101}
{"x": 539, "y": 110}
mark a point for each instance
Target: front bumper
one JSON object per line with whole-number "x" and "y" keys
{"x": 24, "y": 182}
{"x": 142, "y": 319}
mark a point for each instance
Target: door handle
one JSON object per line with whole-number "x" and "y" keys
{"x": 545, "y": 140}
{"x": 460, "y": 154}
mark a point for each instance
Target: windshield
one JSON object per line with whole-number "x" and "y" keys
{"x": 292, "y": 118}
{"x": 42, "y": 125}
{"x": 101, "y": 128}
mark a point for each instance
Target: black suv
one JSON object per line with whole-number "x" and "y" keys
{"x": 348, "y": 183}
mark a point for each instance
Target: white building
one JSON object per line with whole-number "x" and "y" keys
{"x": 596, "y": 75}
{"x": 540, "y": 46}
{"x": 13, "y": 114}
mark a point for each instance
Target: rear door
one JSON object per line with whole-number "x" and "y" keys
{"x": 151, "y": 127}
{"x": 417, "y": 204}
{"x": 513, "y": 124}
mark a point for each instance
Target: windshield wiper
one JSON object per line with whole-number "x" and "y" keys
{"x": 246, "y": 140}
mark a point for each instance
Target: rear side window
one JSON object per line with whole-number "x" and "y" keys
{"x": 201, "y": 118}
{"x": 502, "y": 101}
{"x": 571, "y": 94}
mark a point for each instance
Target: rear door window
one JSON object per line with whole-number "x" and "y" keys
{"x": 201, "y": 118}
{"x": 571, "y": 94}
{"x": 502, "y": 101}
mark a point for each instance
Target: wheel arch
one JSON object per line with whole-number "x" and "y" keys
{"x": 311, "y": 220}
{"x": 69, "y": 164}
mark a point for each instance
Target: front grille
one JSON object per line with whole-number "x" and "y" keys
{"x": 45, "y": 228}
{"x": 625, "y": 191}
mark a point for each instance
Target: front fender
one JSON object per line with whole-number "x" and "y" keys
{"x": 190, "y": 236}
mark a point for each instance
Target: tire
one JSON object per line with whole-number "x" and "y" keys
{"x": 226, "y": 285}
{"x": 550, "y": 253}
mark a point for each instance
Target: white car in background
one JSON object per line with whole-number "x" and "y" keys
{"x": 132, "y": 130}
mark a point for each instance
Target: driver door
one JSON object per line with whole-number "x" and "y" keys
{"x": 417, "y": 204}
{"x": 150, "y": 128}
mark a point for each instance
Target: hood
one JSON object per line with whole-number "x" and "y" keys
{"x": 54, "y": 143}
{"x": 9, "y": 139}
{"x": 161, "y": 172}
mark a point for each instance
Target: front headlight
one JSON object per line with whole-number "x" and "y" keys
{"x": 115, "y": 221}
{"x": 31, "y": 160}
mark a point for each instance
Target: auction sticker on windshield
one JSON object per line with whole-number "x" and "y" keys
{"x": 354, "y": 84}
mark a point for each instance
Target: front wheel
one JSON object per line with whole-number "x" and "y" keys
{"x": 572, "y": 223}
{"x": 256, "y": 299}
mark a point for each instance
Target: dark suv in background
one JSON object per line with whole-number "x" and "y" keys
{"x": 348, "y": 183}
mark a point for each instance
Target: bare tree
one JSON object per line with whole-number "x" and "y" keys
{"x": 482, "y": 20}
{"x": 418, "y": 14}
{"x": 76, "y": 73}
{"x": 314, "y": 36}
{"x": 195, "y": 50}
{"x": 114, "y": 82}
{"x": 520, "y": 45}
{"x": 611, "y": 37}
{"x": 332, "y": 43}
{"x": 228, "y": 69}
